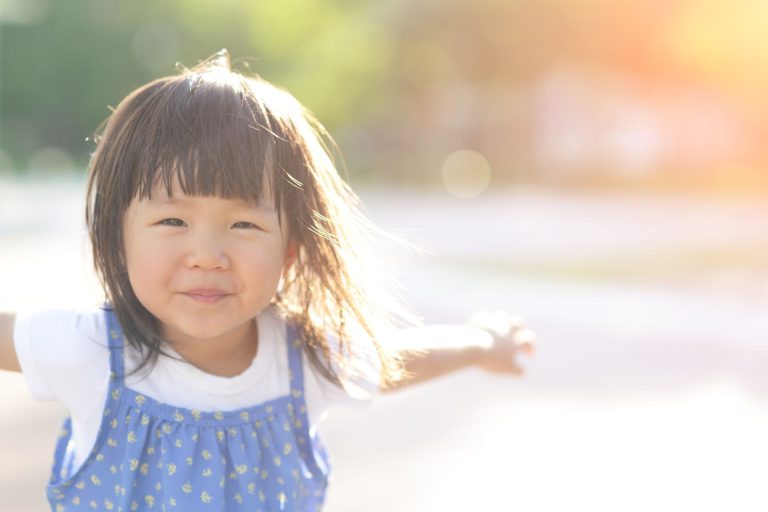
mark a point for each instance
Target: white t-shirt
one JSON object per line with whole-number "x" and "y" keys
{"x": 64, "y": 356}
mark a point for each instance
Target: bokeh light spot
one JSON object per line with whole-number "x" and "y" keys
{"x": 51, "y": 159}
{"x": 156, "y": 45}
{"x": 466, "y": 173}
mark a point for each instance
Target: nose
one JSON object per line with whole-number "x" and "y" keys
{"x": 207, "y": 252}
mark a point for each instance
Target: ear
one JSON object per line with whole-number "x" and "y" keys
{"x": 290, "y": 255}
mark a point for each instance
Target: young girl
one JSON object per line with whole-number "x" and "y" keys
{"x": 241, "y": 304}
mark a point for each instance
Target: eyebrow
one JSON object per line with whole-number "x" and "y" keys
{"x": 177, "y": 201}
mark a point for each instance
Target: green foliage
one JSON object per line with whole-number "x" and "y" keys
{"x": 59, "y": 76}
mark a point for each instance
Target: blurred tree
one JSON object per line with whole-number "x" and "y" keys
{"x": 61, "y": 73}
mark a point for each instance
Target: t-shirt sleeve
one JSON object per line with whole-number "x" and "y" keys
{"x": 357, "y": 390}
{"x": 62, "y": 354}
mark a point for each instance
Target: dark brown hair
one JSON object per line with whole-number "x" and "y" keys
{"x": 238, "y": 137}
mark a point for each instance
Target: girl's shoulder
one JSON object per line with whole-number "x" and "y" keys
{"x": 56, "y": 344}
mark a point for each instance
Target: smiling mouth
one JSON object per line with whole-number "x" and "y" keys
{"x": 206, "y": 296}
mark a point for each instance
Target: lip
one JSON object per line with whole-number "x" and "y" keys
{"x": 206, "y": 295}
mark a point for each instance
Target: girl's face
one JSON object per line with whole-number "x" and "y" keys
{"x": 203, "y": 266}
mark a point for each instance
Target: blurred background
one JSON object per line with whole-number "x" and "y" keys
{"x": 597, "y": 166}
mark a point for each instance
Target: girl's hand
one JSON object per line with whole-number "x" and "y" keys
{"x": 510, "y": 338}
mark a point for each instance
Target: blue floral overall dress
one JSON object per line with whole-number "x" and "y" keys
{"x": 151, "y": 456}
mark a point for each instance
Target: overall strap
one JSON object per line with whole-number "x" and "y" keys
{"x": 296, "y": 367}
{"x": 115, "y": 340}
{"x": 310, "y": 448}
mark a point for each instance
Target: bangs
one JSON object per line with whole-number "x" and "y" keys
{"x": 212, "y": 138}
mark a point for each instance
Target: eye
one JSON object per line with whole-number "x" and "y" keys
{"x": 245, "y": 225}
{"x": 178, "y": 223}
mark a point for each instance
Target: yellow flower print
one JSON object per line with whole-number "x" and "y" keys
{"x": 144, "y": 469}
{"x": 158, "y": 487}
{"x": 206, "y": 455}
{"x": 232, "y": 431}
{"x": 93, "y": 504}
{"x": 113, "y": 469}
{"x": 187, "y": 487}
{"x": 268, "y": 409}
{"x": 220, "y": 435}
{"x": 95, "y": 480}
{"x": 239, "y": 498}
{"x": 189, "y": 461}
{"x": 277, "y": 460}
{"x": 241, "y": 469}
{"x": 150, "y": 450}
{"x": 172, "y": 501}
{"x": 76, "y": 500}
{"x": 195, "y": 414}
{"x": 113, "y": 423}
{"x": 167, "y": 428}
{"x": 296, "y": 393}
{"x": 205, "y": 497}
{"x": 140, "y": 399}
{"x": 108, "y": 504}
{"x": 218, "y": 415}
{"x": 149, "y": 500}
{"x": 111, "y": 442}
{"x": 258, "y": 423}
{"x": 221, "y": 482}
{"x": 134, "y": 506}
{"x": 133, "y": 464}
{"x": 178, "y": 443}
{"x": 178, "y": 416}
{"x": 264, "y": 474}
{"x": 287, "y": 448}
{"x": 144, "y": 420}
{"x": 99, "y": 457}
{"x": 131, "y": 436}
{"x": 281, "y": 498}
{"x": 60, "y": 507}
{"x": 251, "y": 488}
{"x": 262, "y": 498}
{"x": 80, "y": 485}
{"x": 171, "y": 469}
{"x": 195, "y": 437}
{"x": 245, "y": 416}
{"x": 207, "y": 472}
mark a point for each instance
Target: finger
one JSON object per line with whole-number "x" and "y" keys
{"x": 525, "y": 340}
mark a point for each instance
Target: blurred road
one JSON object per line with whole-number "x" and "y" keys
{"x": 649, "y": 390}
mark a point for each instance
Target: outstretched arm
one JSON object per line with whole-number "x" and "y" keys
{"x": 492, "y": 344}
{"x": 8, "y": 359}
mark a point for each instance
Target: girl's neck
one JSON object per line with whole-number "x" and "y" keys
{"x": 227, "y": 356}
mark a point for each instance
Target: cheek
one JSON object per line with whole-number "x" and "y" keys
{"x": 146, "y": 270}
{"x": 264, "y": 265}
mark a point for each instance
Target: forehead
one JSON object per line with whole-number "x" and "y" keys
{"x": 179, "y": 188}
{"x": 160, "y": 195}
